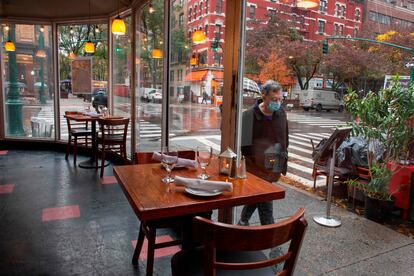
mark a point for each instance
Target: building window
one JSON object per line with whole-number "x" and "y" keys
{"x": 189, "y": 14}
{"x": 217, "y": 58}
{"x": 341, "y": 30}
{"x": 206, "y": 29}
{"x": 342, "y": 11}
{"x": 322, "y": 5}
{"x": 252, "y": 11}
{"x": 321, "y": 26}
{"x": 195, "y": 12}
{"x": 180, "y": 54}
{"x": 357, "y": 15}
{"x": 201, "y": 9}
{"x": 335, "y": 30}
{"x": 294, "y": 19}
{"x": 217, "y": 31}
{"x": 272, "y": 13}
{"x": 379, "y": 17}
{"x": 218, "y": 6}
{"x": 337, "y": 7}
{"x": 206, "y": 6}
{"x": 181, "y": 20}
{"x": 355, "y": 32}
{"x": 171, "y": 75}
{"x": 180, "y": 74}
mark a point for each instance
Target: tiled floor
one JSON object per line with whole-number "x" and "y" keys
{"x": 57, "y": 219}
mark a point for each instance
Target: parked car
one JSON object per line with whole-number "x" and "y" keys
{"x": 157, "y": 97}
{"x": 321, "y": 100}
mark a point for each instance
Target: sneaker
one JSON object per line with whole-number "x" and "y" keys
{"x": 243, "y": 223}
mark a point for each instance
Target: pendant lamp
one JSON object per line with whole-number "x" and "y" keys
{"x": 118, "y": 25}
{"x": 89, "y": 47}
{"x": 307, "y": 4}
{"x": 41, "y": 53}
{"x": 156, "y": 53}
{"x": 199, "y": 37}
{"x": 9, "y": 46}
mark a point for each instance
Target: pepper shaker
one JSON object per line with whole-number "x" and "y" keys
{"x": 233, "y": 168}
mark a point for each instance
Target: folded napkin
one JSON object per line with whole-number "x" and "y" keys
{"x": 183, "y": 162}
{"x": 91, "y": 113}
{"x": 204, "y": 185}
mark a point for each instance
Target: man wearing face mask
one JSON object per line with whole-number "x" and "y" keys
{"x": 264, "y": 126}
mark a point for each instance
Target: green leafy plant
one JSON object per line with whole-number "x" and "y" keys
{"x": 383, "y": 120}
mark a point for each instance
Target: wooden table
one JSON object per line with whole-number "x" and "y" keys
{"x": 152, "y": 199}
{"x": 91, "y": 162}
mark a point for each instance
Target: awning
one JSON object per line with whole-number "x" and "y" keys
{"x": 218, "y": 75}
{"x": 196, "y": 76}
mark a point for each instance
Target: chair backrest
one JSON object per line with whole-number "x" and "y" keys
{"x": 216, "y": 235}
{"x": 146, "y": 157}
{"x": 72, "y": 124}
{"x": 111, "y": 127}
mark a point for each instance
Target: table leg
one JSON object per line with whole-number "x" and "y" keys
{"x": 91, "y": 162}
{"x": 226, "y": 215}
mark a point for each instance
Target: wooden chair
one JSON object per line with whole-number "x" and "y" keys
{"x": 321, "y": 167}
{"x": 363, "y": 176}
{"x": 78, "y": 133}
{"x": 112, "y": 138}
{"x": 148, "y": 229}
{"x": 233, "y": 249}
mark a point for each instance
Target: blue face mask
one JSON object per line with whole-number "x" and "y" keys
{"x": 274, "y": 106}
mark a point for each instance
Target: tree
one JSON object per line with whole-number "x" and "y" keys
{"x": 275, "y": 68}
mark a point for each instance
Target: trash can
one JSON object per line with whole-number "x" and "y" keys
{"x": 41, "y": 127}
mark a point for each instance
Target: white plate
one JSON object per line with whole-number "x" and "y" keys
{"x": 201, "y": 192}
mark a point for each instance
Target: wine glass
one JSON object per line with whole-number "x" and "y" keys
{"x": 169, "y": 158}
{"x": 204, "y": 154}
{"x": 100, "y": 108}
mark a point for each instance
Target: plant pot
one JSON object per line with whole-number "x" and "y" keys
{"x": 378, "y": 210}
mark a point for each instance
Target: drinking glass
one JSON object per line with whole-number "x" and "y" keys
{"x": 169, "y": 158}
{"x": 204, "y": 154}
{"x": 100, "y": 108}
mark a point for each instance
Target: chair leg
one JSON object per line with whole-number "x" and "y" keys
{"x": 314, "y": 177}
{"x": 150, "y": 252}
{"x": 75, "y": 150}
{"x": 103, "y": 161}
{"x": 68, "y": 147}
{"x": 138, "y": 247}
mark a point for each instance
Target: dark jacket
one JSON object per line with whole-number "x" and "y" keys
{"x": 260, "y": 133}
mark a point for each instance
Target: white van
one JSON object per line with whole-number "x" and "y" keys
{"x": 320, "y": 100}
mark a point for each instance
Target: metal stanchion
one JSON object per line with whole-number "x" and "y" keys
{"x": 328, "y": 220}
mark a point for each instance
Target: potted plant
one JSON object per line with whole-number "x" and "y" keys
{"x": 382, "y": 121}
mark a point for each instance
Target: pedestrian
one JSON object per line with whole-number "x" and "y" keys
{"x": 264, "y": 127}
{"x": 205, "y": 97}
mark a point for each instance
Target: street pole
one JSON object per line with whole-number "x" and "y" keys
{"x": 42, "y": 97}
{"x": 13, "y": 102}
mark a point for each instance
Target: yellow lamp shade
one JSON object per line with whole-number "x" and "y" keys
{"x": 307, "y": 4}
{"x": 72, "y": 56}
{"x": 156, "y": 53}
{"x": 41, "y": 53}
{"x": 9, "y": 46}
{"x": 118, "y": 26}
{"x": 199, "y": 37}
{"x": 89, "y": 47}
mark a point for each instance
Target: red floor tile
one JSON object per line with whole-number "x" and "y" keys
{"x": 6, "y": 188}
{"x": 107, "y": 180}
{"x": 3, "y": 152}
{"x": 60, "y": 213}
{"x": 162, "y": 252}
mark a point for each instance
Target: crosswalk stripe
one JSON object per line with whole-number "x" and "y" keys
{"x": 309, "y": 136}
{"x": 300, "y": 149}
{"x": 300, "y": 168}
{"x": 300, "y": 138}
{"x": 307, "y": 182}
{"x": 291, "y": 140}
{"x": 300, "y": 157}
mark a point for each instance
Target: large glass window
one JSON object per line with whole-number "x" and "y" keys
{"x": 121, "y": 75}
{"x": 28, "y": 90}
{"x": 149, "y": 83}
{"x": 83, "y": 77}
{"x": 195, "y": 89}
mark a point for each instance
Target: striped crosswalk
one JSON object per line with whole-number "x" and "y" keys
{"x": 322, "y": 122}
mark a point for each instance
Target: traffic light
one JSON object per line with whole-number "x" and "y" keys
{"x": 325, "y": 47}
{"x": 215, "y": 45}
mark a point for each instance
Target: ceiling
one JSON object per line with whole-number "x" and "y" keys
{"x": 61, "y": 9}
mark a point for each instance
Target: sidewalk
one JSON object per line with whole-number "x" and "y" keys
{"x": 358, "y": 247}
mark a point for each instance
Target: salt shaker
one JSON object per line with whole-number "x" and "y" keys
{"x": 242, "y": 168}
